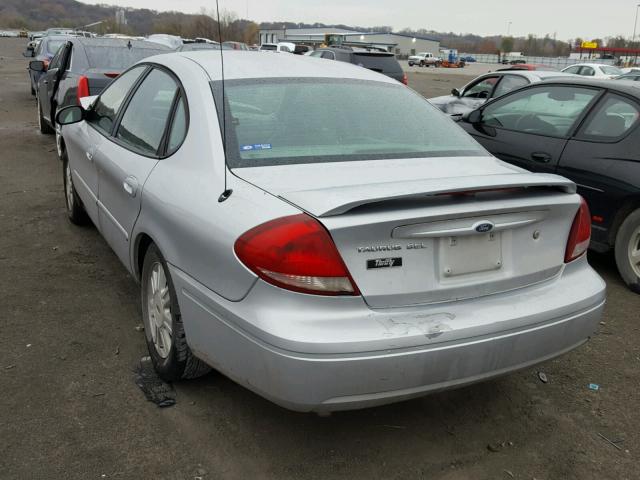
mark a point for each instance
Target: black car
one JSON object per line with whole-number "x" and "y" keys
{"x": 585, "y": 130}
{"x": 44, "y": 51}
{"x": 376, "y": 60}
{"x": 83, "y": 67}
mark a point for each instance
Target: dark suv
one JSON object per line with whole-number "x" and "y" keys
{"x": 376, "y": 60}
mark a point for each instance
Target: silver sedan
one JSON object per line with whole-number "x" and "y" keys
{"x": 321, "y": 234}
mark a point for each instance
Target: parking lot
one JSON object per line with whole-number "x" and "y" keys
{"x": 69, "y": 343}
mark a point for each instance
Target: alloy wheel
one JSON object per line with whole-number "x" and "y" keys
{"x": 159, "y": 310}
{"x": 68, "y": 186}
{"x": 633, "y": 251}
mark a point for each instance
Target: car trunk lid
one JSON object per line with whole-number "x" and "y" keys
{"x": 413, "y": 232}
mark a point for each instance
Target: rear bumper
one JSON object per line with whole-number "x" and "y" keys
{"x": 419, "y": 356}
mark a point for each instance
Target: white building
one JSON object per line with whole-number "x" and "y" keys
{"x": 400, "y": 44}
{"x": 121, "y": 17}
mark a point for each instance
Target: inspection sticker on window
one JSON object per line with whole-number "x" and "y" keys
{"x": 256, "y": 146}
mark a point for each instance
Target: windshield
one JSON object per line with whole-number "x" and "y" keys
{"x": 611, "y": 70}
{"x": 286, "y": 121}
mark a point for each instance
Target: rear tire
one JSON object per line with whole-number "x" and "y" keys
{"x": 43, "y": 126}
{"x": 627, "y": 251}
{"x": 171, "y": 356}
{"x": 75, "y": 210}
{"x": 422, "y": 64}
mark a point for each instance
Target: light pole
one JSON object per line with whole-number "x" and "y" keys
{"x": 635, "y": 25}
{"x": 509, "y": 28}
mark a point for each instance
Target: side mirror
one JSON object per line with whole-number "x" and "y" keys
{"x": 37, "y": 66}
{"x": 473, "y": 117}
{"x": 28, "y": 53}
{"x": 70, "y": 115}
{"x": 456, "y": 93}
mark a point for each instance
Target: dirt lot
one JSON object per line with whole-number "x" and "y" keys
{"x": 70, "y": 409}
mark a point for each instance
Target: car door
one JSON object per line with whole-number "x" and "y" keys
{"x": 126, "y": 160}
{"x": 530, "y": 127}
{"x": 477, "y": 93}
{"x": 84, "y": 141}
{"x": 47, "y": 81}
{"x": 603, "y": 159}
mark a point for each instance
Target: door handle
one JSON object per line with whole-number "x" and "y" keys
{"x": 541, "y": 157}
{"x": 89, "y": 156}
{"x": 130, "y": 185}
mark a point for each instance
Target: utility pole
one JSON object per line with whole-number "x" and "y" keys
{"x": 635, "y": 25}
{"x": 509, "y": 28}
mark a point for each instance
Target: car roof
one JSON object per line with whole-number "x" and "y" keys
{"x": 590, "y": 65}
{"x": 118, "y": 42}
{"x": 629, "y": 88}
{"x": 254, "y": 64}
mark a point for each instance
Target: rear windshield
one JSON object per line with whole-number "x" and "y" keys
{"x": 377, "y": 62}
{"x": 287, "y": 121}
{"x": 118, "y": 57}
{"x": 611, "y": 70}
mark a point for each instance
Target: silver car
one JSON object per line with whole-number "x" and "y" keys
{"x": 356, "y": 247}
{"x": 488, "y": 86}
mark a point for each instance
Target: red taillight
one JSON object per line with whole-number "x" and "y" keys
{"x": 580, "y": 234}
{"x": 83, "y": 88}
{"x": 296, "y": 253}
{"x": 405, "y": 79}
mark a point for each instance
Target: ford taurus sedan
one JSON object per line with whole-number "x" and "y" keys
{"x": 321, "y": 234}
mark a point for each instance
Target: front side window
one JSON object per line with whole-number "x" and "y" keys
{"x": 482, "y": 89}
{"x": 55, "y": 61}
{"x": 587, "y": 72}
{"x": 509, "y": 83}
{"x": 574, "y": 70}
{"x": 52, "y": 46}
{"x": 328, "y": 55}
{"x": 145, "y": 119}
{"x": 613, "y": 117}
{"x": 293, "y": 120}
{"x": 549, "y": 110}
{"x": 106, "y": 108}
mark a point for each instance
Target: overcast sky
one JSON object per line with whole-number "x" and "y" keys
{"x": 567, "y": 18}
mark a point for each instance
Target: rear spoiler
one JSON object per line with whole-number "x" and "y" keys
{"x": 332, "y": 201}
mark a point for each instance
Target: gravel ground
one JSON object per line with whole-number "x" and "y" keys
{"x": 70, "y": 408}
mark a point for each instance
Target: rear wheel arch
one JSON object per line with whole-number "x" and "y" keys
{"x": 141, "y": 246}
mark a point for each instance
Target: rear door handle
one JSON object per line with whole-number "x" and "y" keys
{"x": 130, "y": 185}
{"x": 541, "y": 157}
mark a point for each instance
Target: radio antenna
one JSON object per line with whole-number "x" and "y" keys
{"x": 227, "y": 192}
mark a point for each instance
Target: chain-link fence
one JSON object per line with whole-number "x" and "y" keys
{"x": 557, "y": 62}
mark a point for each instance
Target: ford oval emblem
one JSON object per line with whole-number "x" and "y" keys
{"x": 484, "y": 227}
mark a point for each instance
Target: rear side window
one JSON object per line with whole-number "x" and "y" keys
{"x": 106, "y": 108}
{"x": 614, "y": 117}
{"x": 378, "y": 63}
{"x": 118, "y": 57}
{"x": 509, "y": 83}
{"x": 549, "y": 110}
{"x": 144, "y": 122}
{"x": 178, "y": 127}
